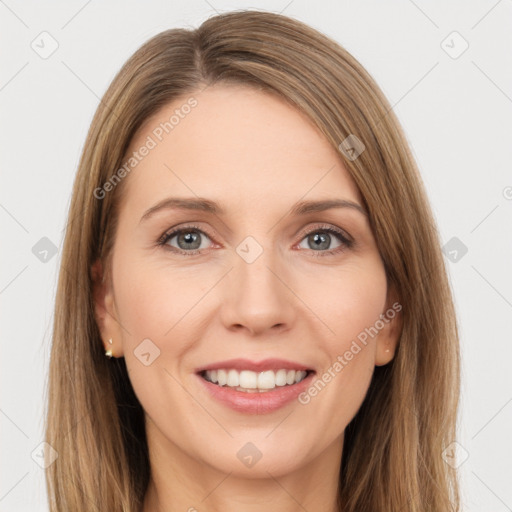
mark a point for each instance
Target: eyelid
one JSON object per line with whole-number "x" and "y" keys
{"x": 327, "y": 227}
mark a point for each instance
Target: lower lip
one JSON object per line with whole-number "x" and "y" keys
{"x": 257, "y": 403}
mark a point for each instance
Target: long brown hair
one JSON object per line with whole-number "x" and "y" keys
{"x": 392, "y": 455}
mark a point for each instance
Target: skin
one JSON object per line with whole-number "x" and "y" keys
{"x": 256, "y": 156}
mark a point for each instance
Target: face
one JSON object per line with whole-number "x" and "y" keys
{"x": 267, "y": 291}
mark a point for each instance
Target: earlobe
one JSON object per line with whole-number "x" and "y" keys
{"x": 104, "y": 311}
{"x": 387, "y": 339}
{"x": 384, "y": 355}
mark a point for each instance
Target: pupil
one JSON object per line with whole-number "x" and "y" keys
{"x": 321, "y": 241}
{"x": 189, "y": 238}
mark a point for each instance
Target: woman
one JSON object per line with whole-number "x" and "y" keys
{"x": 252, "y": 307}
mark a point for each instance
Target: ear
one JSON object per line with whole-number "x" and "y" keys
{"x": 104, "y": 310}
{"x": 387, "y": 339}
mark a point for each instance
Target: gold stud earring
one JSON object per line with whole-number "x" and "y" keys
{"x": 108, "y": 352}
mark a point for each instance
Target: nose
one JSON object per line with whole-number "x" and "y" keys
{"x": 257, "y": 297}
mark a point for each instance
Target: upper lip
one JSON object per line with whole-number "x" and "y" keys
{"x": 255, "y": 366}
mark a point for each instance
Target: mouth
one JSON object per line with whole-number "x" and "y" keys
{"x": 255, "y": 387}
{"x": 248, "y": 381}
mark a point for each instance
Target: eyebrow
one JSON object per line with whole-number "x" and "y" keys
{"x": 205, "y": 205}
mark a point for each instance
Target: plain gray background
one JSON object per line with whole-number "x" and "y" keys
{"x": 455, "y": 104}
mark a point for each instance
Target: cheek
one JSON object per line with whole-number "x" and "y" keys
{"x": 152, "y": 305}
{"x": 154, "y": 300}
{"x": 351, "y": 302}
{"x": 352, "y": 306}
{"x": 159, "y": 309}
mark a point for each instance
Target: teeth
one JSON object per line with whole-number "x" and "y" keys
{"x": 222, "y": 377}
{"x": 233, "y": 379}
{"x": 249, "y": 381}
{"x": 281, "y": 377}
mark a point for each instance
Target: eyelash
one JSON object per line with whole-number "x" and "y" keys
{"x": 346, "y": 243}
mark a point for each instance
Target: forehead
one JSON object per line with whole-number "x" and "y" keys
{"x": 236, "y": 143}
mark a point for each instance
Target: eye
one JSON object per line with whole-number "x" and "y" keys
{"x": 189, "y": 240}
{"x": 320, "y": 239}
